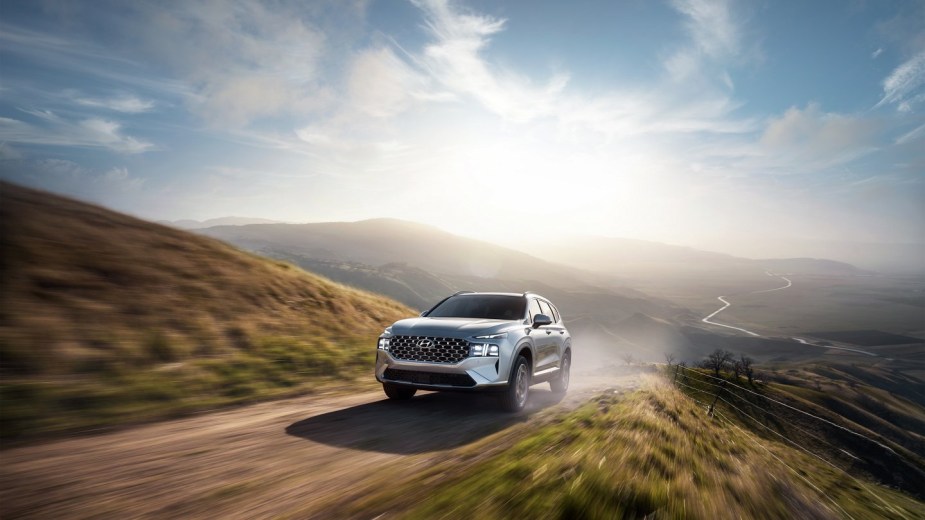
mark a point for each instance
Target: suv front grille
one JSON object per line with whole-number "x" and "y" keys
{"x": 428, "y": 378}
{"x": 429, "y": 348}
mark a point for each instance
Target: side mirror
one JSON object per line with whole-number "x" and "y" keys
{"x": 540, "y": 320}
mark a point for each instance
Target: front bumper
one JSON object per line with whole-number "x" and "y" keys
{"x": 470, "y": 374}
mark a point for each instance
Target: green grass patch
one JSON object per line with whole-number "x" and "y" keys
{"x": 108, "y": 393}
{"x": 651, "y": 454}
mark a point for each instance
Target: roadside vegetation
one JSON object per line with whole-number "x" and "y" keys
{"x": 106, "y": 319}
{"x": 653, "y": 454}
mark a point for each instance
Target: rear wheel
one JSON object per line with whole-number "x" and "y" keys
{"x": 518, "y": 389}
{"x": 398, "y": 393}
{"x": 560, "y": 384}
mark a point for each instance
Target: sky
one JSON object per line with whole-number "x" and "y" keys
{"x": 758, "y": 128}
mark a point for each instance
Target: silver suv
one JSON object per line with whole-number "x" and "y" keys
{"x": 500, "y": 342}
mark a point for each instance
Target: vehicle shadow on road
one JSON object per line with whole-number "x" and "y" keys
{"x": 428, "y": 422}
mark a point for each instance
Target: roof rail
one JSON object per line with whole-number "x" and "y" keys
{"x": 462, "y": 292}
{"x": 527, "y": 292}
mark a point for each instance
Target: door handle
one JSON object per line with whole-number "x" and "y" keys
{"x": 548, "y": 332}
{"x": 561, "y": 332}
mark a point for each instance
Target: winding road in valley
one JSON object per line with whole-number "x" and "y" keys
{"x": 727, "y": 304}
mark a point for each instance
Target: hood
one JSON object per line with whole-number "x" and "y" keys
{"x": 454, "y": 327}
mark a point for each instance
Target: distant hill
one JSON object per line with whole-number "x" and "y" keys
{"x": 221, "y": 221}
{"x": 105, "y": 317}
{"x": 425, "y": 260}
{"x": 633, "y": 258}
{"x": 378, "y": 242}
{"x": 818, "y": 266}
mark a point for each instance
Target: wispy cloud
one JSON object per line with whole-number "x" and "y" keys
{"x": 711, "y": 26}
{"x": 913, "y": 135}
{"x": 8, "y": 153}
{"x": 125, "y": 103}
{"x": 54, "y": 130}
{"x": 454, "y": 58}
{"x": 380, "y": 84}
{"x": 905, "y": 86}
{"x": 807, "y": 140}
{"x": 244, "y": 60}
{"x": 232, "y": 62}
{"x": 714, "y": 41}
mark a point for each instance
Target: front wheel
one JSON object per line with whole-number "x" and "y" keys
{"x": 518, "y": 389}
{"x": 398, "y": 393}
{"x": 560, "y": 384}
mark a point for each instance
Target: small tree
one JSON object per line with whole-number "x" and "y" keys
{"x": 628, "y": 358}
{"x": 717, "y": 360}
{"x": 669, "y": 358}
{"x": 736, "y": 366}
{"x": 746, "y": 363}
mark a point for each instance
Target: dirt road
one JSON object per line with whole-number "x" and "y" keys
{"x": 271, "y": 459}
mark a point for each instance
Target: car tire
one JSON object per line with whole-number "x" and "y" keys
{"x": 559, "y": 385}
{"x": 398, "y": 393}
{"x": 515, "y": 396}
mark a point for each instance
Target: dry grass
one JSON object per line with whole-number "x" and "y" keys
{"x": 104, "y": 317}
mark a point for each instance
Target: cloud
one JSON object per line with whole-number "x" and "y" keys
{"x": 244, "y": 60}
{"x": 233, "y": 62}
{"x": 876, "y": 53}
{"x": 56, "y": 131}
{"x": 125, "y": 103}
{"x": 381, "y": 85}
{"x": 120, "y": 179}
{"x": 714, "y": 38}
{"x": 911, "y": 136}
{"x": 808, "y": 140}
{"x": 711, "y": 26}
{"x": 905, "y": 86}
{"x": 455, "y": 60}
{"x": 8, "y": 153}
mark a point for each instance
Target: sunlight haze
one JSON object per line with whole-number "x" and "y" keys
{"x": 757, "y": 129}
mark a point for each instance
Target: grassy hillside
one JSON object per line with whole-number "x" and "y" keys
{"x": 106, "y": 318}
{"x": 870, "y": 419}
{"x": 650, "y": 454}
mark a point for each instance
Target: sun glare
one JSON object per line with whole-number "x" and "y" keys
{"x": 528, "y": 187}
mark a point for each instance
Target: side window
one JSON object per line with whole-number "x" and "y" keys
{"x": 546, "y": 310}
{"x": 534, "y": 309}
{"x": 555, "y": 311}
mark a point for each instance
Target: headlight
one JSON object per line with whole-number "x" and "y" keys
{"x": 384, "y": 339}
{"x": 484, "y": 346}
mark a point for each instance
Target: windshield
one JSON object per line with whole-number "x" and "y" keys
{"x": 486, "y": 306}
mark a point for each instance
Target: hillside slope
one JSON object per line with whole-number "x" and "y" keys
{"x": 653, "y": 453}
{"x": 105, "y": 317}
